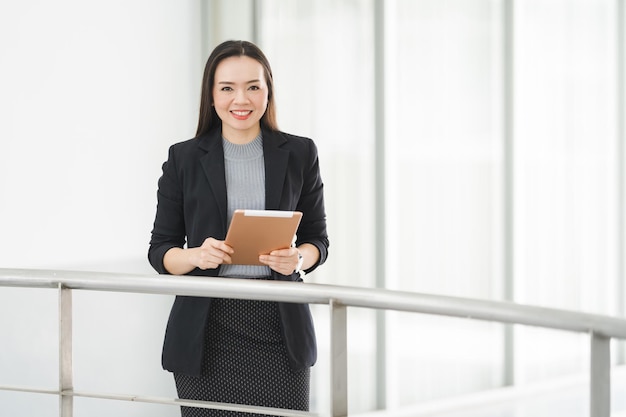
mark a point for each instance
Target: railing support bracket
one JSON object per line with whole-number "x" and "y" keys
{"x": 600, "y": 381}
{"x": 66, "y": 402}
{"x": 338, "y": 359}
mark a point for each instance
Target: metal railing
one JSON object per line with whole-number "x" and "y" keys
{"x": 601, "y": 329}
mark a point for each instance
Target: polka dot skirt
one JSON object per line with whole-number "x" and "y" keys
{"x": 245, "y": 362}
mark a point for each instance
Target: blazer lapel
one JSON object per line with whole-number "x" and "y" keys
{"x": 213, "y": 166}
{"x": 276, "y": 160}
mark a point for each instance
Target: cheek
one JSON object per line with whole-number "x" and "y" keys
{"x": 218, "y": 97}
{"x": 218, "y": 104}
{"x": 262, "y": 102}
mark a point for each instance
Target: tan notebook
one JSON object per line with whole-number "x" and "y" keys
{"x": 258, "y": 232}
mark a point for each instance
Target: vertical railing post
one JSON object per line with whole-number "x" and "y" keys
{"x": 338, "y": 360}
{"x": 66, "y": 403}
{"x": 600, "y": 380}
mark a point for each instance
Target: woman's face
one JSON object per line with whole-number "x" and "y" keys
{"x": 240, "y": 97}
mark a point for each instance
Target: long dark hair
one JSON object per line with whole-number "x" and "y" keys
{"x": 208, "y": 118}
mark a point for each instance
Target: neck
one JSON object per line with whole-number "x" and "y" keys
{"x": 241, "y": 137}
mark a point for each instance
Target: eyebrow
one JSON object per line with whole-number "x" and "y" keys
{"x": 230, "y": 82}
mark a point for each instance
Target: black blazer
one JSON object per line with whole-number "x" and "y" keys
{"x": 192, "y": 206}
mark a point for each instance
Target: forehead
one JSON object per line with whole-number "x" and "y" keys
{"x": 239, "y": 69}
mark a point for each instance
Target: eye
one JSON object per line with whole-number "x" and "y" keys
{"x": 226, "y": 88}
{"x": 254, "y": 87}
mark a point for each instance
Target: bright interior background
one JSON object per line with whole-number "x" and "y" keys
{"x": 482, "y": 157}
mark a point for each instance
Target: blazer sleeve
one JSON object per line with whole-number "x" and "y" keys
{"x": 169, "y": 224}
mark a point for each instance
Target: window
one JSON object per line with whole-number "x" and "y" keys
{"x": 503, "y": 167}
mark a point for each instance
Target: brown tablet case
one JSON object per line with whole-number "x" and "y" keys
{"x": 258, "y": 232}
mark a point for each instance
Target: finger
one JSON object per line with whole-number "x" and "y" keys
{"x": 213, "y": 258}
{"x": 226, "y": 259}
{"x": 280, "y": 264}
{"x": 206, "y": 264}
{"x": 220, "y": 257}
{"x": 224, "y": 247}
{"x": 283, "y": 252}
{"x": 218, "y": 252}
{"x": 275, "y": 260}
{"x": 217, "y": 244}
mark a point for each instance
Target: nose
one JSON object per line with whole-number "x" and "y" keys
{"x": 241, "y": 96}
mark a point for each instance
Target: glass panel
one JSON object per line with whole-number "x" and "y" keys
{"x": 566, "y": 195}
{"x": 326, "y": 92}
{"x": 321, "y": 54}
{"x": 445, "y": 195}
{"x": 444, "y": 146}
{"x": 21, "y": 404}
{"x": 29, "y": 325}
{"x": 434, "y": 357}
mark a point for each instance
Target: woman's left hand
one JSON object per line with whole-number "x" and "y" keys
{"x": 283, "y": 261}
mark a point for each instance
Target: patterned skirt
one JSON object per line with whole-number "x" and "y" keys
{"x": 245, "y": 362}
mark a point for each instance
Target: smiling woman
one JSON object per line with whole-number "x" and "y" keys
{"x": 238, "y": 351}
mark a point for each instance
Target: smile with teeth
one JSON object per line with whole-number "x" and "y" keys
{"x": 241, "y": 114}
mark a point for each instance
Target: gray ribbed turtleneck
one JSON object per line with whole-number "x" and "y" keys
{"x": 245, "y": 185}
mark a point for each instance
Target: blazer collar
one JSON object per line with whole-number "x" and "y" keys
{"x": 276, "y": 161}
{"x": 213, "y": 165}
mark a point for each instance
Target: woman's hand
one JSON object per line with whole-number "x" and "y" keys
{"x": 211, "y": 254}
{"x": 283, "y": 261}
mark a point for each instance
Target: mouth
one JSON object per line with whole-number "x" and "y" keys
{"x": 241, "y": 114}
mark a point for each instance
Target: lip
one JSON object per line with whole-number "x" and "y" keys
{"x": 241, "y": 114}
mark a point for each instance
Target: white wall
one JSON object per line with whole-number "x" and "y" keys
{"x": 91, "y": 96}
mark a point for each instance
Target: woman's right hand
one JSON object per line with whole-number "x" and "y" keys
{"x": 211, "y": 254}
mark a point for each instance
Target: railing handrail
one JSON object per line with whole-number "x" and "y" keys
{"x": 311, "y": 293}
{"x": 601, "y": 328}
